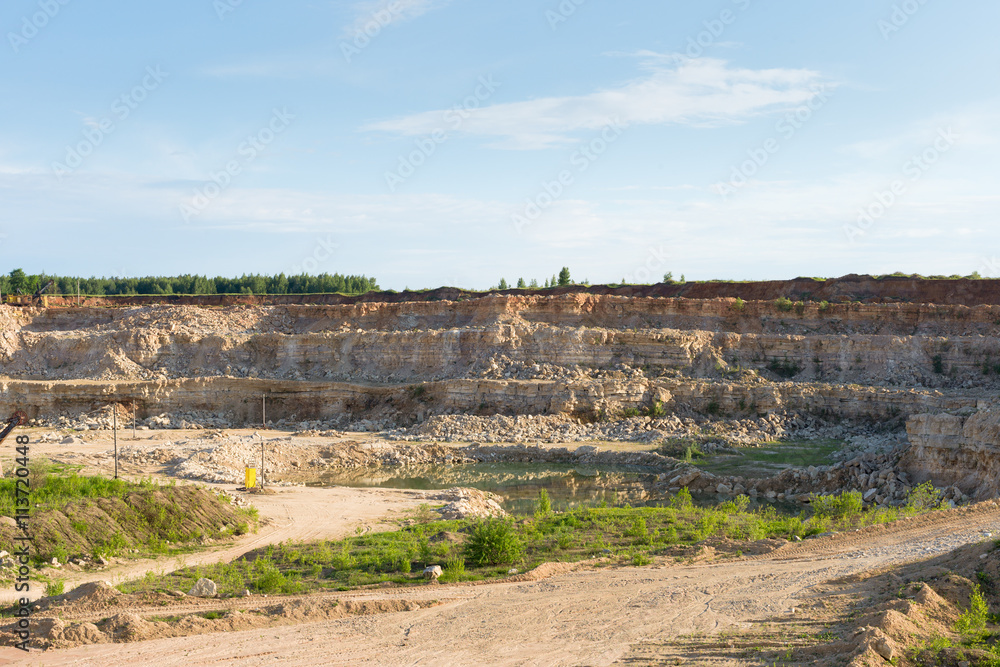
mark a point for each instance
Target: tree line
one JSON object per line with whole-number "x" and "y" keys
{"x": 17, "y": 281}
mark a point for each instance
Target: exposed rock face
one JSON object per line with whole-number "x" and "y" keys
{"x": 419, "y": 341}
{"x": 962, "y": 450}
{"x": 398, "y": 362}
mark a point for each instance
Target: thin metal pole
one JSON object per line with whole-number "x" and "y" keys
{"x": 262, "y": 462}
{"x": 263, "y": 410}
{"x": 116, "y": 439}
{"x": 133, "y": 419}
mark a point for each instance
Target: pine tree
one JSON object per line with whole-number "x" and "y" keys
{"x": 503, "y": 284}
{"x": 521, "y": 284}
{"x": 564, "y": 278}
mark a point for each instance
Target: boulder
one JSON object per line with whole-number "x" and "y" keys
{"x": 433, "y": 572}
{"x": 686, "y": 478}
{"x": 883, "y": 648}
{"x": 204, "y": 588}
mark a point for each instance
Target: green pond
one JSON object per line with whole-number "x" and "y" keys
{"x": 569, "y": 485}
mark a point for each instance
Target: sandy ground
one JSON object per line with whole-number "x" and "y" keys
{"x": 588, "y": 616}
{"x": 585, "y": 617}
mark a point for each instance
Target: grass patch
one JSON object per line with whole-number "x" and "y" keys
{"x": 772, "y": 457}
{"x": 83, "y": 516}
{"x": 476, "y": 550}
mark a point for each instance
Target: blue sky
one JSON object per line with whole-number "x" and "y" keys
{"x": 431, "y": 142}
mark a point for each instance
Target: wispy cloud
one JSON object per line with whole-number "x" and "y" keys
{"x": 700, "y": 92}
{"x": 384, "y": 13}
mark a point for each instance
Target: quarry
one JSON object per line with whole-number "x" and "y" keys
{"x": 363, "y": 414}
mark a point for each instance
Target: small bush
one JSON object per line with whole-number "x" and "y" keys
{"x": 544, "y": 504}
{"x": 54, "y": 588}
{"x": 657, "y": 411}
{"x": 938, "y": 364}
{"x": 972, "y": 622}
{"x": 923, "y": 497}
{"x": 739, "y": 305}
{"x": 784, "y": 368}
{"x": 641, "y": 559}
{"x": 638, "y": 528}
{"x": 784, "y": 304}
{"x": 844, "y": 506}
{"x": 454, "y": 570}
{"x": 494, "y": 542}
{"x": 682, "y": 500}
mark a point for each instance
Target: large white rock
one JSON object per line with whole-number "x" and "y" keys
{"x": 204, "y": 588}
{"x": 433, "y": 572}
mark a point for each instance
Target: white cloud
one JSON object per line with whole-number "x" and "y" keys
{"x": 704, "y": 91}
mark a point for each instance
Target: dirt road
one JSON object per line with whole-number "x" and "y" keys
{"x": 590, "y": 616}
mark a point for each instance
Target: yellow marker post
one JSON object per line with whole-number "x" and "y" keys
{"x": 251, "y": 478}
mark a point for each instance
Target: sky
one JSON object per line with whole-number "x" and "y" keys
{"x": 454, "y": 142}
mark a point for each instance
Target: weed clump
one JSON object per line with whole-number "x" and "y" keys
{"x": 494, "y": 542}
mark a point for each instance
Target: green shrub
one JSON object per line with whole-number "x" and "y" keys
{"x": 544, "y": 504}
{"x": 846, "y": 505}
{"x": 784, "y": 368}
{"x": 938, "y": 364}
{"x": 657, "y": 411}
{"x": 682, "y": 500}
{"x": 266, "y": 576}
{"x": 923, "y": 497}
{"x": 784, "y": 304}
{"x": 739, "y": 305}
{"x": 454, "y": 570}
{"x": 638, "y": 528}
{"x": 641, "y": 559}
{"x": 494, "y": 542}
{"x": 54, "y": 588}
{"x": 971, "y": 624}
